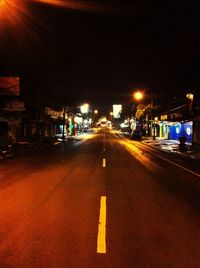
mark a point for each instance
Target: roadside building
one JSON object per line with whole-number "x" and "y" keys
{"x": 11, "y": 115}
{"x": 11, "y": 110}
{"x": 196, "y": 127}
{"x": 176, "y": 123}
{"x": 42, "y": 122}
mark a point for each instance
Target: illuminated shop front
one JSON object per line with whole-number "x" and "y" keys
{"x": 175, "y": 130}
{"x": 183, "y": 129}
{"x": 187, "y": 131}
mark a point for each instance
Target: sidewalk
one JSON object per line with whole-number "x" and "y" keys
{"x": 172, "y": 146}
{"x": 79, "y": 136}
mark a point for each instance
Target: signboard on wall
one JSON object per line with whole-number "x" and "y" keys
{"x": 53, "y": 113}
{"x": 9, "y": 86}
{"x": 163, "y": 117}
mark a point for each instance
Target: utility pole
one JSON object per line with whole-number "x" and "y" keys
{"x": 64, "y": 123}
{"x": 152, "y": 121}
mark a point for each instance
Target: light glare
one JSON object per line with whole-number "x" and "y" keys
{"x": 84, "y": 108}
{"x": 138, "y": 95}
{"x": 2, "y": 2}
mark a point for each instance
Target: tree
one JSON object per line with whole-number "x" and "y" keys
{"x": 141, "y": 108}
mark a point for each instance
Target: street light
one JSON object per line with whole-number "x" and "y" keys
{"x": 2, "y": 2}
{"x": 139, "y": 95}
{"x": 64, "y": 123}
{"x": 84, "y": 108}
{"x": 111, "y": 117}
{"x": 96, "y": 111}
{"x": 190, "y": 98}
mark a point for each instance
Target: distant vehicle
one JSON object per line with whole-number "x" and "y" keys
{"x": 103, "y": 124}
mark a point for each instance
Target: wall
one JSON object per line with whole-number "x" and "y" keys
{"x": 196, "y": 134}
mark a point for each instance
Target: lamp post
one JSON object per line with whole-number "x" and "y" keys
{"x": 152, "y": 120}
{"x": 84, "y": 108}
{"x": 138, "y": 96}
{"x": 64, "y": 123}
{"x": 94, "y": 116}
{"x": 190, "y": 98}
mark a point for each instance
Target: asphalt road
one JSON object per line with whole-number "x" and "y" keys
{"x": 101, "y": 202}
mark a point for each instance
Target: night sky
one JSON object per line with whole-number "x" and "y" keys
{"x": 101, "y": 51}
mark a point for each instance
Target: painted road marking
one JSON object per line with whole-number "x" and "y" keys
{"x": 104, "y": 162}
{"x": 101, "y": 238}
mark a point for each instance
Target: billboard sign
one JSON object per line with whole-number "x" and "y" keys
{"x": 9, "y": 86}
{"x": 117, "y": 110}
{"x": 53, "y": 113}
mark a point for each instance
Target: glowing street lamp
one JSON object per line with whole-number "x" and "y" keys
{"x": 2, "y": 2}
{"x": 84, "y": 108}
{"x": 96, "y": 111}
{"x": 190, "y": 98}
{"x": 111, "y": 113}
{"x": 2, "y": 6}
{"x": 138, "y": 95}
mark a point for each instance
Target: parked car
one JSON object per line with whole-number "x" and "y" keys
{"x": 6, "y": 151}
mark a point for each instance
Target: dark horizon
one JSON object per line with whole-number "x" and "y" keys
{"x": 102, "y": 54}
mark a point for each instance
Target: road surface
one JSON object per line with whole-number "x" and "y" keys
{"x": 102, "y": 202}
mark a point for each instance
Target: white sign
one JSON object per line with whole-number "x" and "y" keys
{"x": 117, "y": 110}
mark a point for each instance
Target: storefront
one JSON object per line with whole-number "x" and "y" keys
{"x": 187, "y": 131}
{"x": 181, "y": 129}
{"x": 10, "y": 126}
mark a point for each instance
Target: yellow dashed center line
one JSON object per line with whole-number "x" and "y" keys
{"x": 101, "y": 238}
{"x": 104, "y": 162}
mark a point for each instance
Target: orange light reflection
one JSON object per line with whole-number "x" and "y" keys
{"x": 138, "y": 154}
{"x": 87, "y": 6}
{"x": 10, "y": 12}
{"x": 18, "y": 23}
